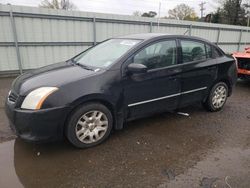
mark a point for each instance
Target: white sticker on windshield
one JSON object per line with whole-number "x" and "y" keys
{"x": 128, "y": 42}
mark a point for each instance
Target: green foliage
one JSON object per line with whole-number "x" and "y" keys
{"x": 216, "y": 17}
{"x": 150, "y": 14}
{"x": 232, "y": 12}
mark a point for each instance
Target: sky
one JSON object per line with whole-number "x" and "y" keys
{"x": 127, "y": 7}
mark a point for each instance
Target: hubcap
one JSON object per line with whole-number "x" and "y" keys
{"x": 91, "y": 126}
{"x": 219, "y": 96}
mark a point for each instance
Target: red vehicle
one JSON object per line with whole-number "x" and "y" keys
{"x": 243, "y": 61}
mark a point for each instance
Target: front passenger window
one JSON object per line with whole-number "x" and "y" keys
{"x": 157, "y": 55}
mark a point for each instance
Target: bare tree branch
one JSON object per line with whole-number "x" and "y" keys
{"x": 58, "y": 4}
{"x": 182, "y": 12}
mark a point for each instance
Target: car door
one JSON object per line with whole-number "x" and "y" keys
{"x": 199, "y": 70}
{"x": 158, "y": 89}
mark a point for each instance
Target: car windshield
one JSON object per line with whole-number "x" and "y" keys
{"x": 106, "y": 53}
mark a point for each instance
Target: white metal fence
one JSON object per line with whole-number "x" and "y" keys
{"x": 34, "y": 37}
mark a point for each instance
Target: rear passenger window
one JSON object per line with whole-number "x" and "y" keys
{"x": 192, "y": 51}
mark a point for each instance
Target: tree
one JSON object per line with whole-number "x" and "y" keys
{"x": 192, "y": 17}
{"x": 217, "y": 16}
{"x": 150, "y": 14}
{"x": 58, "y": 4}
{"x": 247, "y": 7}
{"x": 137, "y": 13}
{"x": 232, "y": 12}
{"x": 183, "y": 12}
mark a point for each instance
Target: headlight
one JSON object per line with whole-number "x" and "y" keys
{"x": 35, "y": 98}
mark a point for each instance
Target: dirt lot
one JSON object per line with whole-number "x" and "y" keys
{"x": 168, "y": 150}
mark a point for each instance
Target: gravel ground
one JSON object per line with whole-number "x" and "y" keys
{"x": 167, "y": 150}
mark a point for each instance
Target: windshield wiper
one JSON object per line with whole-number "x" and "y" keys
{"x": 71, "y": 61}
{"x": 81, "y": 65}
{"x": 84, "y": 66}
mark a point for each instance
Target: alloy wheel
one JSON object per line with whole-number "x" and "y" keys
{"x": 91, "y": 126}
{"x": 219, "y": 96}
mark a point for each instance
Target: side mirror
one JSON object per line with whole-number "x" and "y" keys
{"x": 134, "y": 68}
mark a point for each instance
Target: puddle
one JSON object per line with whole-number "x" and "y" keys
{"x": 225, "y": 168}
{"x": 8, "y": 177}
{"x": 60, "y": 165}
{"x": 112, "y": 164}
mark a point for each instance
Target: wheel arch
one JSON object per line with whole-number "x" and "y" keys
{"x": 226, "y": 81}
{"x": 92, "y": 99}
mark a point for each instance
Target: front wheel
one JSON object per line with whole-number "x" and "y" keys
{"x": 89, "y": 125}
{"x": 217, "y": 97}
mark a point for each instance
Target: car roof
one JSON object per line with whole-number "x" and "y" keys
{"x": 148, "y": 36}
{"x": 144, "y": 36}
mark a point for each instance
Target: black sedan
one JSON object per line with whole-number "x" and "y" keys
{"x": 116, "y": 81}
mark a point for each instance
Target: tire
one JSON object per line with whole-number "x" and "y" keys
{"x": 216, "y": 103}
{"x": 89, "y": 125}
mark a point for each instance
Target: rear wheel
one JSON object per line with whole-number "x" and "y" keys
{"x": 89, "y": 125}
{"x": 217, "y": 97}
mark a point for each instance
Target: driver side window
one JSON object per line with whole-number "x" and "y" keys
{"x": 157, "y": 55}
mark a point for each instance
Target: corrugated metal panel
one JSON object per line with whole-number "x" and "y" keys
{"x": 47, "y": 30}
{"x": 33, "y": 57}
{"x": 246, "y": 36}
{"x": 108, "y": 30}
{"x": 46, "y": 36}
{"x": 209, "y": 34}
{"x": 230, "y": 36}
{"x": 8, "y": 60}
{"x": 5, "y": 31}
{"x": 229, "y": 48}
{"x": 170, "y": 30}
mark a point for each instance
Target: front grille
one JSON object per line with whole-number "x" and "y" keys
{"x": 12, "y": 97}
{"x": 244, "y": 63}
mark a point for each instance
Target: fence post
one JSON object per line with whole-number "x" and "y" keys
{"x": 94, "y": 30}
{"x": 190, "y": 29}
{"x": 218, "y": 37}
{"x": 151, "y": 27}
{"x": 239, "y": 44}
{"x": 14, "y": 33}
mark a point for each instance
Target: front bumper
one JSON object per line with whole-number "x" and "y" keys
{"x": 37, "y": 126}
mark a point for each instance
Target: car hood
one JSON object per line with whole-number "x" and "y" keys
{"x": 53, "y": 75}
